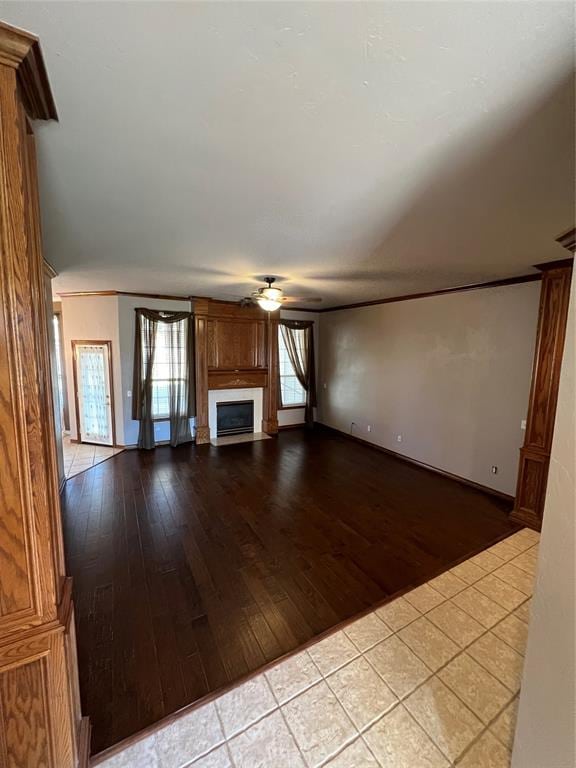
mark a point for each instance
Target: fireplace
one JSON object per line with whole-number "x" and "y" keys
{"x": 235, "y": 417}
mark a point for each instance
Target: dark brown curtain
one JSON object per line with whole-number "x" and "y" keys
{"x": 298, "y": 337}
{"x": 178, "y": 334}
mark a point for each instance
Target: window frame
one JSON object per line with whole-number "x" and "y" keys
{"x": 297, "y": 405}
{"x": 161, "y": 418}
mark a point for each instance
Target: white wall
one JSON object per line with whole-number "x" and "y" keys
{"x": 450, "y": 374}
{"x": 546, "y": 727}
{"x": 92, "y": 318}
{"x": 293, "y": 416}
{"x": 126, "y": 329}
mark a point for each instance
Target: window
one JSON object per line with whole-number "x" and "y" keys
{"x": 169, "y": 365}
{"x": 293, "y": 393}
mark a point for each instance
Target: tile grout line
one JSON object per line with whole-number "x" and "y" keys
{"x": 401, "y": 701}
{"x": 283, "y": 716}
{"x": 487, "y": 728}
{"x": 435, "y": 673}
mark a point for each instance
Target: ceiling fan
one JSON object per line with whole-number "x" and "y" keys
{"x": 270, "y": 298}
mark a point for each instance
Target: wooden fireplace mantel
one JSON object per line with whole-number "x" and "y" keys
{"x": 236, "y": 348}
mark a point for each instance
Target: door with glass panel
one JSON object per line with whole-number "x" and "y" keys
{"x": 93, "y": 385}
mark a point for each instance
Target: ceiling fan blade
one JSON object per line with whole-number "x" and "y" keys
{"x": 303, "y": 299}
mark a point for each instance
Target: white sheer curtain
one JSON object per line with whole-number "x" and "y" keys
{"x": 163, "y": 374}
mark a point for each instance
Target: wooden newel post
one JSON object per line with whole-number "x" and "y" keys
{"x": 201, "y": 352}
{"x": 271, "y": 394}
{"x": 40, "y": 717}
{"x": 535, "y": 453}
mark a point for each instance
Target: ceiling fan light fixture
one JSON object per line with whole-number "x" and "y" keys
{"x": 269, "y": 298}
{"x": 274, "y": 294}
{"x": 269, "y": 305}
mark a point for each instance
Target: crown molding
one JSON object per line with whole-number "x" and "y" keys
{"x": 568, "y": 239}
{"x": 49, "y": 269}
{"x": 441, "y": 292}
{"x": 163, "y": 296}
{"x": 556, "y": 264}
{"x": 408, "y": 297}
{"x": 21, "y": 51}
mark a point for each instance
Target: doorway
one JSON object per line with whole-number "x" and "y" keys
{"x": 94, "y": 392}
{"x": 60, "y": 385}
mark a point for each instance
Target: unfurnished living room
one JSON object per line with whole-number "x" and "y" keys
{"x": 287, "y": 398}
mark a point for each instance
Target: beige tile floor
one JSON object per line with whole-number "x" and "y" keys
{"x": 430, "y": 680}
{"x": 81, "y": 456}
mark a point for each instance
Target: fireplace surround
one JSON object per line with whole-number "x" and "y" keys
{"x": 235, "y": 395}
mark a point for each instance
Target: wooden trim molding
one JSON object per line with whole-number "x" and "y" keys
{"x": 39, "y": 700}
{"x": 64, "y": 405}
{"x": 237, "y": 379}
{"x": 271, "y": 393}
{"x": 535, "y": 453}
{"x": 292, "y": 407}
{"x": 421, "y": 464}
{"x": 161, "y": 296}
{"x": 202, "y": 432}
{"x": 21, "y": 51}
{"x": 568, "y": 240}
{"x": 84, "y": 743}
{"x": 557, "y": 264}
{"x": 49, "y": 269}
{"x": 532, "y": 278}
{"x": 227, "y": 305}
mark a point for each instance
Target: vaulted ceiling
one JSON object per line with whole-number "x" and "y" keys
{"x": 357, "y": 150}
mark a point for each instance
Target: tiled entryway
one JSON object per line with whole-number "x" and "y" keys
{"x": 81, "y": 456}
{"x": 430, "y": 680}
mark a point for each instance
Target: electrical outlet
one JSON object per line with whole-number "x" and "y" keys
{"x": 494, "y": 470}
{"x": 398, "y": 438}
{"x": 129, "y": 393}
{"x": 523, "y": 424}
{"x": 369, "y": 428}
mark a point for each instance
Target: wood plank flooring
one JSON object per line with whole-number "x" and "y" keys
{"x": 194, "y": 566}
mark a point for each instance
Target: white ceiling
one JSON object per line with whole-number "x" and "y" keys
{"x": 359, "y": 150}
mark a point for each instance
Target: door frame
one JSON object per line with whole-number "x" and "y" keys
{"x": 90, "y": 342}
{"x": 64, "y": 405}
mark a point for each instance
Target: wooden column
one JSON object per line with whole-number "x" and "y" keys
{"x": 271, "y": 395}
{"x": 535, "y": 453}
{"x": 40, "y": 721}
{"x": 201, "y": 352}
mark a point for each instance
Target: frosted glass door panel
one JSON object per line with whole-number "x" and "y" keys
{"x": 94, "y": 393}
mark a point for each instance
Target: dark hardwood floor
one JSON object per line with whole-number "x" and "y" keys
{"x": 195, "y": 566}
